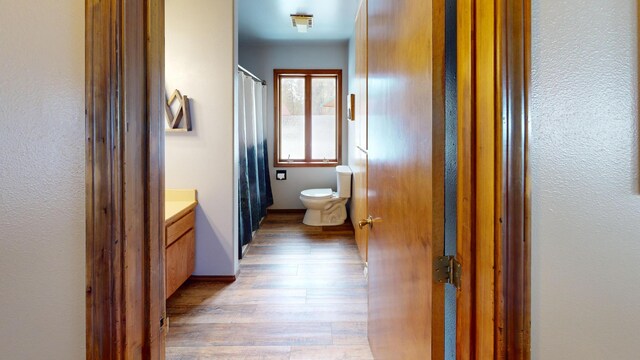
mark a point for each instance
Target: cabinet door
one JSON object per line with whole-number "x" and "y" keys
{"x": 180, "y": 261}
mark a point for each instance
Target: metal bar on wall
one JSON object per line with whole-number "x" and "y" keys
{"x": 248, "y": 73}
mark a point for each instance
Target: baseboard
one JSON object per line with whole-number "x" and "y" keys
{"x": 211, "y": 278}
{"x": 286, "y": 211}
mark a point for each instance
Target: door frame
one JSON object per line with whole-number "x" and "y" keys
{"x": 493, "y": 124}
{"x": 124, "y": 96}
{"x": 494, "y": 197}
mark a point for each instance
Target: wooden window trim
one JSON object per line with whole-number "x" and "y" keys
{"x": 307, "y": 74}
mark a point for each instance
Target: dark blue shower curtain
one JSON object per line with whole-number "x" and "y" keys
{"x": 254, "y": 181}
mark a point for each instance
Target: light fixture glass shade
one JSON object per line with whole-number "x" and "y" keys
{"x": 301, "y": 25}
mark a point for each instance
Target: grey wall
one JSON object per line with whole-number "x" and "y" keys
{"x": 451, "y": 168}
{"x": 200, "y": 62}
{"x": 586, "y": 196}
{"x": 261, "y": 59}
{"x": 42, "y": 191}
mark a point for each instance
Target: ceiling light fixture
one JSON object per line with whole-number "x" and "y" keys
{"x": 302, "y": 22}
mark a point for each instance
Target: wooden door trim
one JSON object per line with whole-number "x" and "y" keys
{"x": 494, "y": 307}
{"x": 513, "y": 271}
{"x": 124, "y": 94}
{"x": 155, "y": 54}
{"x": 465, "y": 314}
{"x": 486, "y": 170}
{"x": 527, "y": 181}
{"x": 101, "y": 312}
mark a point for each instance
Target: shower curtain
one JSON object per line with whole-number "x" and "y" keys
{"x": 254, "y": 182}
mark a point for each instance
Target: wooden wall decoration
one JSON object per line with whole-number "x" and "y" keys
{"x": 351, "y": 107}
{"x": 183, "y": 112}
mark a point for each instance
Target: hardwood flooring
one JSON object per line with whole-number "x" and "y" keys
{"x": 300, "y": 294}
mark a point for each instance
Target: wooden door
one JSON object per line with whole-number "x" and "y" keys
{"x": 124, "y": 179}
{"x": 359, "y": 162}
{"x": 406, "y": 177}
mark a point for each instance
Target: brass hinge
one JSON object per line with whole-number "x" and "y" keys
{"x": 448, "y": 270}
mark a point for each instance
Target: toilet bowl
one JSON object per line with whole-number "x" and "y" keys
{"x": 326, "y": 207}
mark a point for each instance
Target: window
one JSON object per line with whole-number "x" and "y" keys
{"x": 308, "y": 110}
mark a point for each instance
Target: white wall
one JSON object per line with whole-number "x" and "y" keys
{"x": 351, "y": 125}
{"x": 586, "y": 196}
{"x": 261, "y": 59}
{"x": 200, "y": 62}
{"x": 42, "y": 191}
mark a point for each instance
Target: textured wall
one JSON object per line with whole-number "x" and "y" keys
{"x": 261, "y": 60}
{"x": 200, "y": 62}
{"x": 42, "y": 192}
{"x": 584, "y": 162}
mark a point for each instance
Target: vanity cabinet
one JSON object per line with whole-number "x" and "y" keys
{"x": 179, "y": 240}
{"x": 180, "y": 251}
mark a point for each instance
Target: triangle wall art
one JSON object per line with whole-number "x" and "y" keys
{"x": 181, "y": 119}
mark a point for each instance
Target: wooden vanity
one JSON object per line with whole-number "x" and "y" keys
{"x": 179, "y": 237}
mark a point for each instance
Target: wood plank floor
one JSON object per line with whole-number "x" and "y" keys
{"x": 300, "y": 294}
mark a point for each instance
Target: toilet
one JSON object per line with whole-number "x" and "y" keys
{"x": 325, "y": 207}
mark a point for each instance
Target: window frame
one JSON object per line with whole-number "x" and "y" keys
{"x": 308, "y": 74}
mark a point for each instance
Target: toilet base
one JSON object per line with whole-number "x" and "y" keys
{"x": 334, "y": 216}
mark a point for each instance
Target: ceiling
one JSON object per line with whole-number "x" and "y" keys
{"x": 269, "y": 20}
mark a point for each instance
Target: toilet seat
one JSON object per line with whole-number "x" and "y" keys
{"x": 317, "y": 194}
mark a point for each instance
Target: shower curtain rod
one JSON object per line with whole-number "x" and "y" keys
{"x": 248, "y": 73}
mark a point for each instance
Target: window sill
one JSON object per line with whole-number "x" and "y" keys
{"x": 306, "y": 164}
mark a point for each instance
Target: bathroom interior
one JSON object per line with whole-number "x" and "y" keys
{"x": 224, "y": 168}
{"x": 232, "y": 157}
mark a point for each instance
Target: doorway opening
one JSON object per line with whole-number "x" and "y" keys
{"x": 402, "y": 213}
{"x": 291, "y": 281}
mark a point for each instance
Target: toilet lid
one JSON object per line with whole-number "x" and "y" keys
{"x": 317, "y": 193}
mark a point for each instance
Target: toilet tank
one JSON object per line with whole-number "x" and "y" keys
{"x": 343, "y": 173}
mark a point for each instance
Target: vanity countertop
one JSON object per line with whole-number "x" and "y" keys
{"x": 177, "y": 203}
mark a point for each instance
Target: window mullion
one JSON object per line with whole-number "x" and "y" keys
{"x": 307, "y": 117}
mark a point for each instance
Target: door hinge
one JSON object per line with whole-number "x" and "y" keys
{"x": 448, "y": 270}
